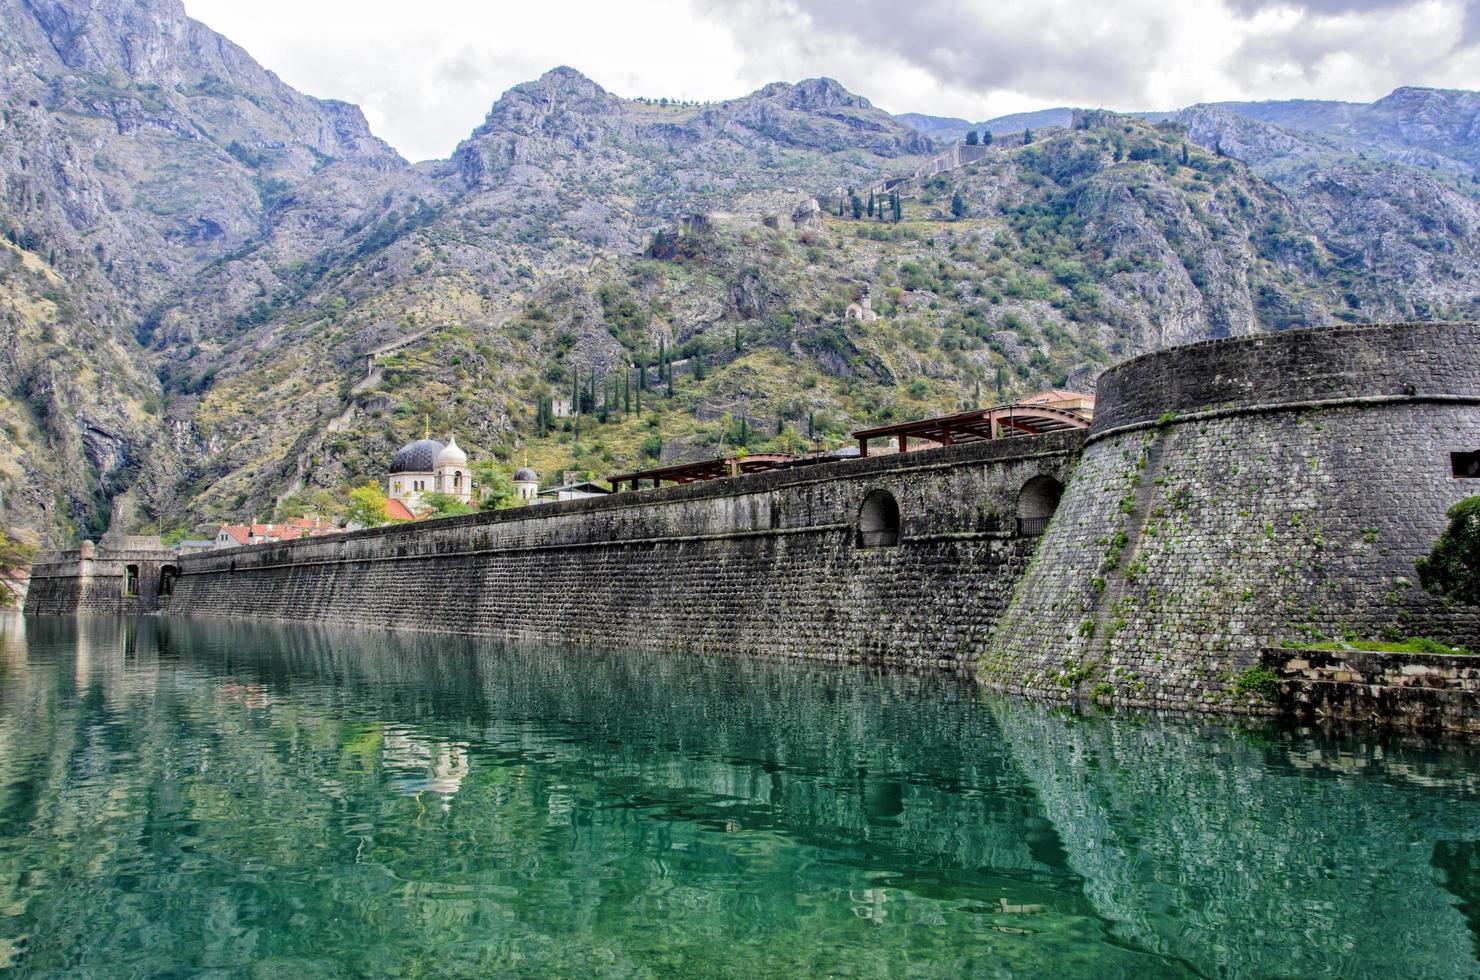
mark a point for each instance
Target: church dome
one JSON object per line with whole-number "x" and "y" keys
{"x": 451, "y": 455}
{"x": 526, "y": 475}
{"x": 417, "y": 457}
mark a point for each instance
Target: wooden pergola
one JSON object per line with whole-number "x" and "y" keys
{"x": 976, "y": 425}
{"x": 707, "y": 469}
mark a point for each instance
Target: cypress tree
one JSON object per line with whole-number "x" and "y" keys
{"x": 670, "y": 379}
{"x": 870, "y": 204}
{"x": 1184, "y": 155}
{"x": 1027, "y": 136}
{"x": 662, "y": 356}
{"x": 698, "y": 366}
{"x": 1001, "y": 388}
{"x": 986, "y": 137}
{"x": 857, "y": 207}
{"x": 973, "y": 138}
{"x": 626, "y": 393}
{"x": 958, "y": 206}
{"x": 639, "y": 399}
{"x": 575, "y": 393}
{"x": 737, "y": 338}
{"x": 811, "y": 425}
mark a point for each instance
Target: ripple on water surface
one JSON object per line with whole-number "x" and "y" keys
{"x": 181, "y": 797}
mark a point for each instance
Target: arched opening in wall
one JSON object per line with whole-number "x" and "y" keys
{"x": 878, "y": 520}
{"x": 131, "y": 580}
{"x": 167, "y": 576}
{"x": 1036, "y": 502}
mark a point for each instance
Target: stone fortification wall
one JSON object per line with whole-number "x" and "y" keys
{"x": 95, "y": 579}
{"x": 1435, "y": 692}
{"x": 764, "y": 564}
{"x": 1240, "y": 494}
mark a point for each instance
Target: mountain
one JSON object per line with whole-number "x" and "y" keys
{"x": 949, "y": 129}
{"x": 1435, "y": 129}
{"x": 936, "y": 127}
{"x": 1421, "y": 126}
{"x": 224, "y": 298}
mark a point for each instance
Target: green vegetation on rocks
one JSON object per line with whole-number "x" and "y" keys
{"x": 15, "y": 558}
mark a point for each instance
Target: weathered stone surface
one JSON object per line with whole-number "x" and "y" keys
{"x": 1395, "y": 690}
{"x": 96, "y": 578}
{"x": 1234, "y": 495}
{"x": 764, "y": 564}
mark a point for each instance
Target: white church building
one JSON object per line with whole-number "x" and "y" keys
{"x": 428, "y": 466}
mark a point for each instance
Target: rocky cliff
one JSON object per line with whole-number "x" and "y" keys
{"x": 197, "y": 260}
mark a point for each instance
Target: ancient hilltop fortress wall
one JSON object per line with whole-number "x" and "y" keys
{"x": 1240, "y": 494}
{"x": 768, "y": 564}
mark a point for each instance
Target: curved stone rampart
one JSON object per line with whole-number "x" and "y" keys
{"x": 1367, "y": 364}
{"x": 1240, "y": 494}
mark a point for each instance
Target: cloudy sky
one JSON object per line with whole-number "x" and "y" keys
{"x": 425, "y": 73}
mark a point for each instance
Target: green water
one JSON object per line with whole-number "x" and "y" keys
{"x": 187, "y": 799}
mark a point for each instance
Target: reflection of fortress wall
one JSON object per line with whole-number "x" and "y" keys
{"x": 1237, "y": 494}
{"x": 1239, "y": 855}
{"x": 1230, "y": 860}
{"x": 752, "y": 738}
{"x": 765, "y": 564}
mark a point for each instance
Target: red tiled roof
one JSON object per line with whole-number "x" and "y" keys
{"x": 397, "y": 511}
{"x": 291, "y": 531}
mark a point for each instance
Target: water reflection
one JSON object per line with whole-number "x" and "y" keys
{"x": 180, "y": 797}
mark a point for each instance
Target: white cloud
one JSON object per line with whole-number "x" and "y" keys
{"x": 426, "y": 74}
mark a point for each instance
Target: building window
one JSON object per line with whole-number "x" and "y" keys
{"x": 1465, "y": 466}
{"x": 131, "y": 580}
{"x": 878, "y": 520}
{"x": 1037, "y": 501}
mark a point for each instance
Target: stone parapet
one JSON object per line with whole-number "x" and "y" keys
{"x": 1369, "y": 364}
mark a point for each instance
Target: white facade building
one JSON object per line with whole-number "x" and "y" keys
{"x": 428, "y": 466}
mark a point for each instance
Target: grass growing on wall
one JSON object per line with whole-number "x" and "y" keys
{"x": 1417, "y": 644}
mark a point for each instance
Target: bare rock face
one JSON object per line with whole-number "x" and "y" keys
{"x": 1403, "y": 227}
